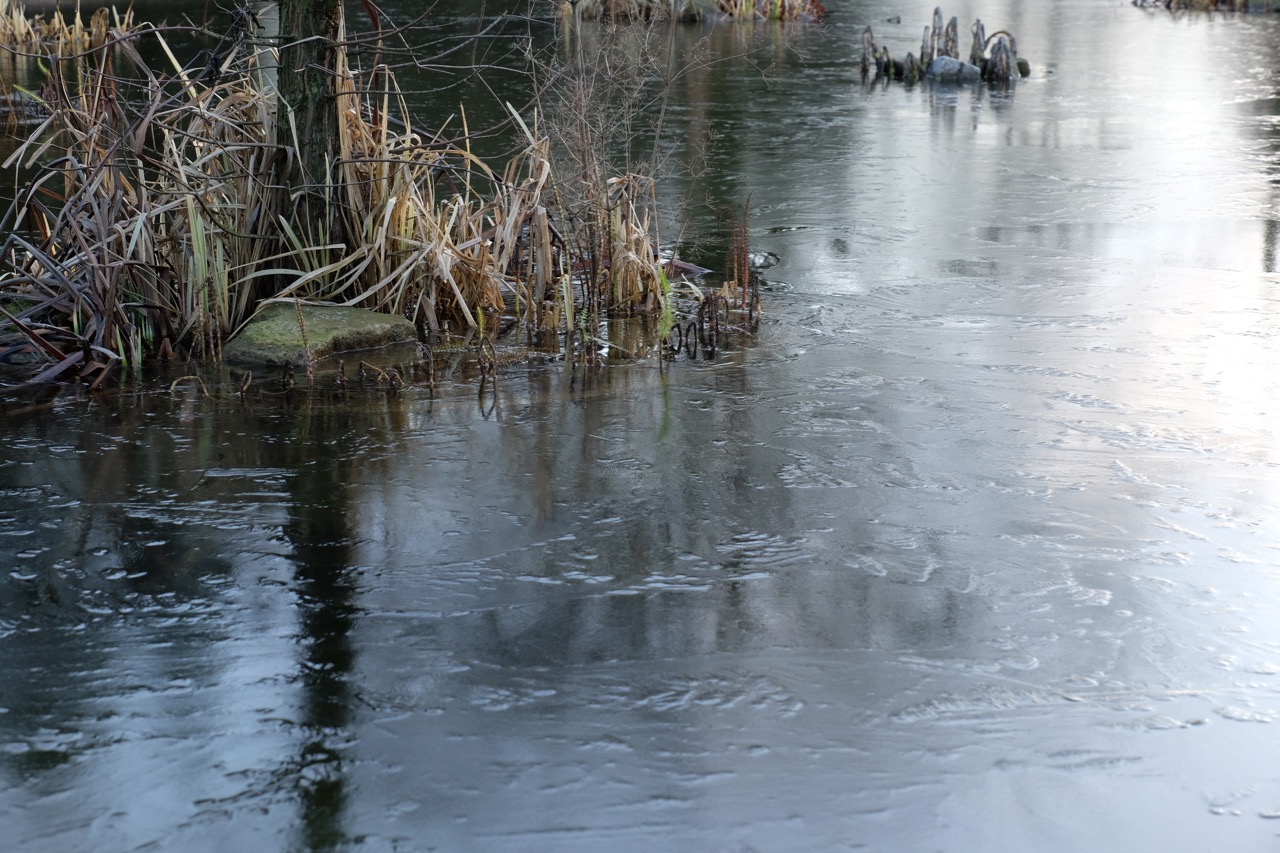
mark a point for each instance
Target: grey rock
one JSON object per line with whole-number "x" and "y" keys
{"x": 945, "y": 68}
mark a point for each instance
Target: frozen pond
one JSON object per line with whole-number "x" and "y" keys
{"x": 974, "y": 546}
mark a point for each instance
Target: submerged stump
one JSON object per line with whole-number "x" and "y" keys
{"x": 992, "y": 59}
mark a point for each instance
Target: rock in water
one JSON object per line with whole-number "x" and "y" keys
{"x": 275, "y": 337}
{"x": 948, "y": 69}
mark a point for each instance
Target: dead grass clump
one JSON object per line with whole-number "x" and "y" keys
{"x": 139, "y": 232}
{"x": 772, "y": 10}
{"x": 634, "y": 10}
{"x": 60, "y": 35}
{"x": 694, "y": 10}
{"x": 600, "y": 106}
{"x": 1209, "y": 5}
{"x": 401, "y": 244}
{"x": 162, "y": 215}
{"x": 159, "y": 220}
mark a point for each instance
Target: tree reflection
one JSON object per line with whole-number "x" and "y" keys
{"x": 319, "y": 530}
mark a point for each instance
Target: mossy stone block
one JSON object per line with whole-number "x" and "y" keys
{"x": 274, "y": 336}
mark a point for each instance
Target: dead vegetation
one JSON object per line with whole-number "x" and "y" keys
{"x": 158, "y": 220}
{"x": 1209, "y": 5}
{"x": 695, "y": 10}
{"x": 59, "y": 35}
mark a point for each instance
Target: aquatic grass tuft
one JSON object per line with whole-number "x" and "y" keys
{"x": 60, "y": 35}
{"x": 1209, "y": 5}
{"x": 158, "y": 221}
{"x": 695, "y": 10}
{"x": 161, "y": 219}
{"x": 593, "y": 110}
{"x": 740, "y": 289}
{"x": 634, "y": 10}
{"x": 139, "y": 249}
{"x": 772, "y": 10}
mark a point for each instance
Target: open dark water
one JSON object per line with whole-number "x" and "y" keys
{"x": 974, "y": 547}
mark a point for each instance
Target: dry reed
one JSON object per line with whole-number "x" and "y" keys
{"x": 694, "y": 10}
{"x": 60, "y": 35}
{"x": 159, "y": 222}
{"x": 1209, "y": 5}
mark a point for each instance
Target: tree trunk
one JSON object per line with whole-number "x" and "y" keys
{"x": 310, "y": 31}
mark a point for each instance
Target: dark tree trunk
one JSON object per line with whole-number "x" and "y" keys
{"x": 309, "y": 32}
